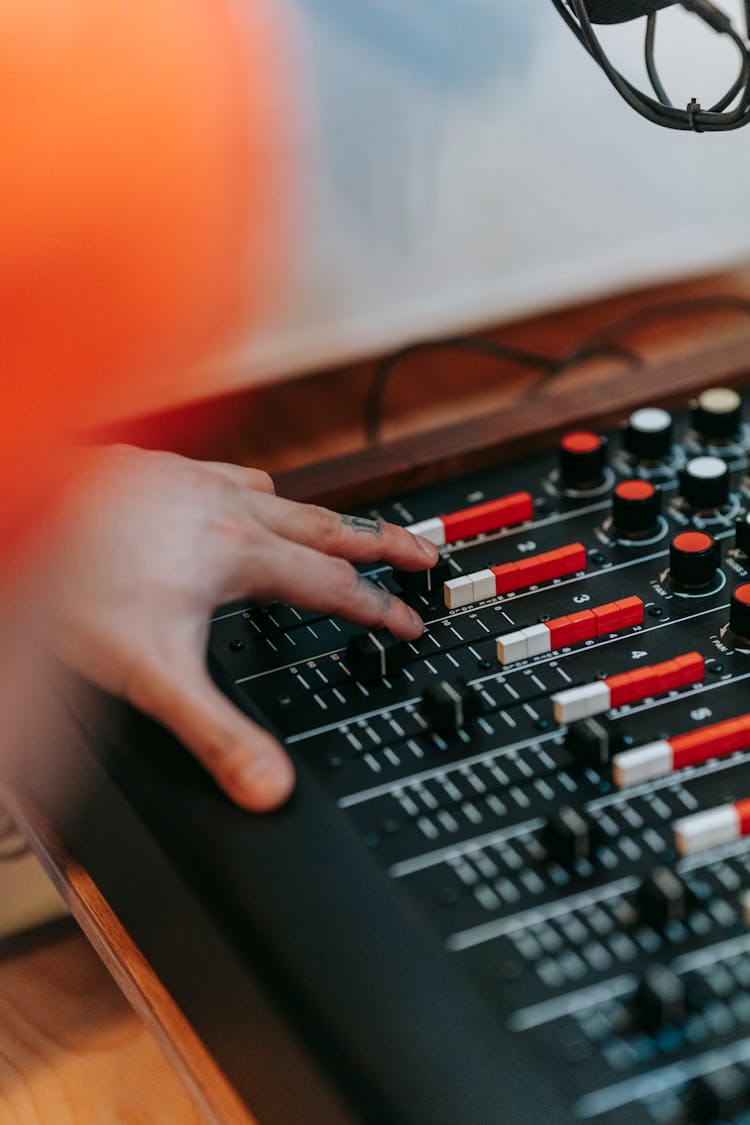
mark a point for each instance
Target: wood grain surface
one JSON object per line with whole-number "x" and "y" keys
{"x": 73, "y": 1052}
{"x": 211, "y": 1092}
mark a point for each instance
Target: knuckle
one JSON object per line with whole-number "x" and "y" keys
{"x": 327, "y": 525}
{"x": 347, "y": 582}
{"x": 381, "y": 615}
{"x": 241, "y": 528}
{"x": 380, "y": 602}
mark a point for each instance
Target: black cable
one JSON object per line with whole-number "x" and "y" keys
{"x": 547, "y": 366}
{"x": 475, "y": 344}
{"x": 718, "y": 118}
{"x": 651, "y": 67}
{"x": 603, "y": 342}
{"x": 694, "y": 118}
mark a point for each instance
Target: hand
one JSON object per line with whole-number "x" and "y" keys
{"x": 152, "y": 543}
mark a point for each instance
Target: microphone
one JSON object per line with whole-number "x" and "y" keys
{"x": 731, "y": 111}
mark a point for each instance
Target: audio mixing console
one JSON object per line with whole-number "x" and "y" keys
{"x": 558, "y": 771}
{"x": 513, "y": 887}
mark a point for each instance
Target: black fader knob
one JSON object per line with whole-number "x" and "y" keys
{"x": 662, "y": 898}
{"x": 694, "y": 558}
{"x": 649, "y": 434}
{"x": 660, "y": 1000}
{"x": 593, "y": 742}
{"x": 742, "y": 532}
{"x": 448, "y": 706}
{"x": 569, "y": 836}
{"x": 739, "y": 613}
{"x": 719, "y": 1096}
{"x": 425, "y": 582}
{"x": 583, "y": 457}
{"x": 373, "y": 656}
{"x": 704, "y": 483}
{"x": 717, "y": 414}
{"x": 636, "y": 506}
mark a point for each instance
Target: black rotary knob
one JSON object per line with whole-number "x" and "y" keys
{"x": 704, "y": 483}
{"x": 662, "y": 898}
{"x": 694, "y": 558}
{"x": 660, "y": 1000}
{"x": 425, "y": 582}
{"x": 583, "y": 458}
{"x": 717, "y": 414}
{"x": 636, "y": 506}
{"x": 373, "y": 656}
{"x": 742, "y": 529}
{"x": 649, "y": 434}
{"x": 448, "y": 706}
{"x": 739, "y": 613}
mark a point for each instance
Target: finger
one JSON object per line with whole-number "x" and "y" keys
{"x": 255, "y": 479}
{"x": 244, "y": 760}
{"x": 303, "y": 577}
{"x": 355, "y": 538}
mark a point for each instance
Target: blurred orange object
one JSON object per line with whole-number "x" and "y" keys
{"x": 140, "y": 205}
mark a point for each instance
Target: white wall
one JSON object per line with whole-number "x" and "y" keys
{"x": 469, "y": 163}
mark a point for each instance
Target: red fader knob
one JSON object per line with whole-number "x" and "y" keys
{"x": 510, "y": 577}
{"x": 657, "y": 759}
{"x": 636, "y": 507}
{"x": 739, "y": 614}
{"x": 583, "y": 458}
{"x": 494, "y": 515}
{"x": 628, "y": 687}
{"x": 586, "y": 625}
{"x": 694, "y": 558}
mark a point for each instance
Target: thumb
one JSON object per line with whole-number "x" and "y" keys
{"x": 244, "y": 760}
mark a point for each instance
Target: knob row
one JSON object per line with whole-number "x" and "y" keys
{"x": 648, "y": 437}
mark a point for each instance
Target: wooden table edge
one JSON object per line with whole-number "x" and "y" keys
{"x": 204, "y": 1079}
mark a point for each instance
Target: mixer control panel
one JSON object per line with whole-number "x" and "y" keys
{"x": 557, "y": 773}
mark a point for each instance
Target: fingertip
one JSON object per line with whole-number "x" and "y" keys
{"x": 428, "y": 549}
{"x": 264, "y": 784}
{"x": 265, "y": 483}
{"x": 416, "y": 621}
{"x": 413, "y": 626}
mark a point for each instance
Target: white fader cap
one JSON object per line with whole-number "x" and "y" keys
{"x": 642, "y": 763}
{"x": 433, "y": 529}
{"x": 707, "y": 829}
{"x": 484, "y": 585}
{"x": 458, "y": 592}
{"x": 580, "y": 702}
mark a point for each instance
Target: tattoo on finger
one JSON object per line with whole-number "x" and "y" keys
{"x": 363, "y": 525}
